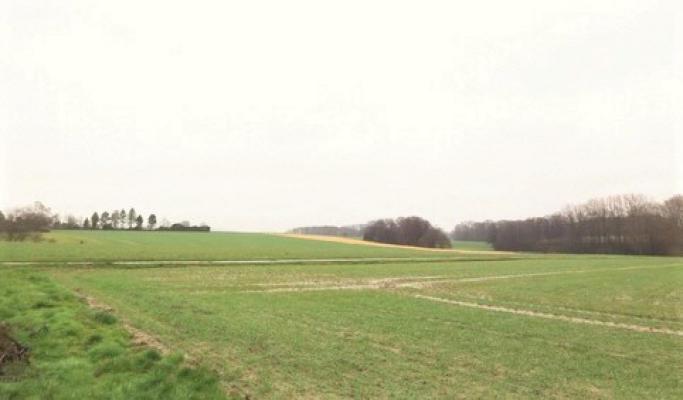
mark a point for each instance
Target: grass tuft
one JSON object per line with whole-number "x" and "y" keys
{"x": 104, "y": 317}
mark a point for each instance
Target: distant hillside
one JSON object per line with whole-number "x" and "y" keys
{"x": 330, "y": 230}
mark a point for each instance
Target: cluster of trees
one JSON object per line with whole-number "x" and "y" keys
{"x": 117, "y": 219}
{"x": 25, "y": 222}
{"x": 130, "y": 220}
{"x": 413, "y": 231}
{"x": 626, "y": 224}
{"x": 329, "y": 230}
{"x": 31, "y": 221}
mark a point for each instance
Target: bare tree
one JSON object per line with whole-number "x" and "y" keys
{"x": 151, "y": 221}
{"x": 105, "y": 220}
{"x": 413, "y": 231}
{"x": 95, "y": 220}
{"x": 27, "y": 222}
{"x": 115, "y": 219}
{"x": 131, "y": 218}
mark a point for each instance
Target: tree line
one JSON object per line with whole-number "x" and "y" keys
{"x": 30, "y": 221}
{"x": 412, "y": 231}
{"x": 130, "y": 220}
{"x": 625, "y": 224}
{"x": 117, "y": 219}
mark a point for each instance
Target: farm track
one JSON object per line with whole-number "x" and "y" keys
{"x": 357, "y": 260}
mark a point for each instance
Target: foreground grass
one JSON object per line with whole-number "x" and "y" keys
{"x": 134, "y": 245}
{"x": 79, "y": 353}
{"x": 380, "y": 341}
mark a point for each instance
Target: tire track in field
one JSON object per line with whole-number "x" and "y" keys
{"x": 428, "y": 281}
{"x": 553, "y": 308}
{"x": 536, "y": 314}
{"x": 534, "y": 274}
{"x": 138, "y": 336}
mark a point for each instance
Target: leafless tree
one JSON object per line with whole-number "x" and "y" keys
{"x": 627, "y": 224}
{"x": 413, "y": 231}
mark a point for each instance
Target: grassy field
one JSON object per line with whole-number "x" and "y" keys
{"x": 597, "y": 327}
{"x": 80, "y": 353}
{"x": 112, "y": 246}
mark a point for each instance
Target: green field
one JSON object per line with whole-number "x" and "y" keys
{"x": 597, "y": 327}
{"x": 471, "y": 245}
{"x": 141, "y": 245}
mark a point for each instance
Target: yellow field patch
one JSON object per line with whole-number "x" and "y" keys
{"x": 339, "y": 239}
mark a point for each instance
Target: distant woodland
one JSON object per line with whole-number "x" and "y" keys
{"x": 626, "y": 224}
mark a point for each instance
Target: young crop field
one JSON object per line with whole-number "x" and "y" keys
{"x": 555, "y": 326}
{"x": 106, "y": 246}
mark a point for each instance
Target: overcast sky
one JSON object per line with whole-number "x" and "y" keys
{"x": 265, "y": 115}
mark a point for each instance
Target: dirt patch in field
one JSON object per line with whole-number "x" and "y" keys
{"x": 418, "y": 282}
{"x": 317, "y": 285}
{"x": 343, "y": 282}
{"x": 138, "y": 337}
{"x": 10, "y": 350}
{"x": 339, "y": 239}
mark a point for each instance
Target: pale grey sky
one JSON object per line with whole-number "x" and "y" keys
{"x": 265, "y": 115}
